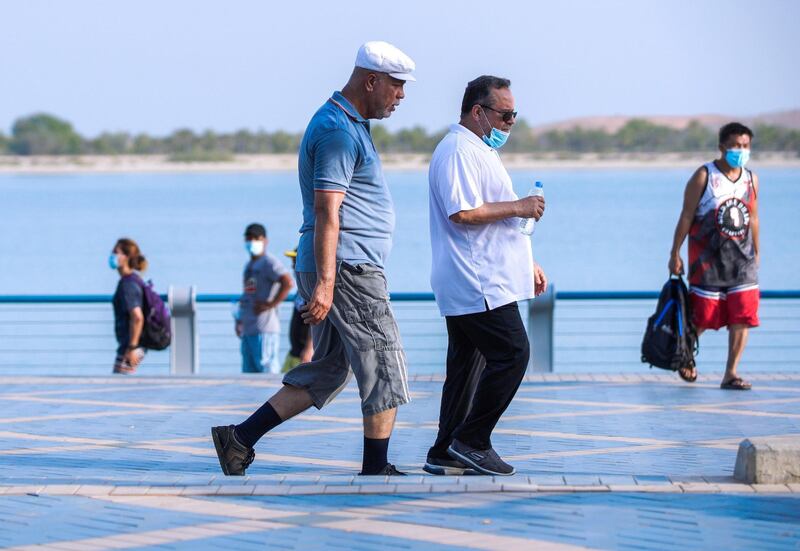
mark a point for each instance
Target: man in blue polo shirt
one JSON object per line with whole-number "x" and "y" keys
{"x": 348, "y": 220}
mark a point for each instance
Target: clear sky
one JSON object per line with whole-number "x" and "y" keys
{"x": 157, "y": 65}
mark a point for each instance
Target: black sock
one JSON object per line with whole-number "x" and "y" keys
{"x": 257, "y": 425}
{"x": 375, "y": 451}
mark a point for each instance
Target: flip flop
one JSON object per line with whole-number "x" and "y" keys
{"x": 687, "y": 378}
{"x": 737, "y": 383}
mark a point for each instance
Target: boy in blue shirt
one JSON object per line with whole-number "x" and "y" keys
{"x": 266, "y": 284}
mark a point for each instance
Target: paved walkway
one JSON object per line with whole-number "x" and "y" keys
{"x": 608, "y": 462}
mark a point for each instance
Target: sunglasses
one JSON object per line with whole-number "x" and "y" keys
{"x": 508, "y": 116}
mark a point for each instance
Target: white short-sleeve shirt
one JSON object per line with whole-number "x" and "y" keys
{"x": 474, "y": 266}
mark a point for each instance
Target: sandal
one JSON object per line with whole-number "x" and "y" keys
{"x": 737, "y": 383}
{"x": 682, "y": 372}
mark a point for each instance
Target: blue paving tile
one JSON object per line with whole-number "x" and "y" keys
{"x": 618, "y": 521}
{"x": 28, "y": 520}
{"x": 307, "y": 537}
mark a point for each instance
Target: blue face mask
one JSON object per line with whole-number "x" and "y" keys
{"x": 737, "y": 158}
{"x": 254, "y": 247}
{"x": 496, "y": 138}
{"x": 113, "y": 261}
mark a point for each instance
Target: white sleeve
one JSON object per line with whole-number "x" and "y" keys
{"x": 457, "y": 180}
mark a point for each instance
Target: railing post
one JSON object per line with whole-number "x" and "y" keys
{"x": 184, "y": 355}
{"x": 540, "y": 330}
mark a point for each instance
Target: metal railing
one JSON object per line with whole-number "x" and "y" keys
{"x": 601, "y": 328}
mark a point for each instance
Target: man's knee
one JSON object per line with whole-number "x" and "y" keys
{"x": 513, "y": 358}
{"x": 738, "y": 328}
{"x": 520, "y": 352}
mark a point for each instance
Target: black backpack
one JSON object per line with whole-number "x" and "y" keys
{"x": 670, "y": 340}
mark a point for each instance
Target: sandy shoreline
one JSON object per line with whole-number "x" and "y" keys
{"x": 391, "y": 162}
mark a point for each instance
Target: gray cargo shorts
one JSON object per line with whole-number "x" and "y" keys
{"x": 359, "y": 336}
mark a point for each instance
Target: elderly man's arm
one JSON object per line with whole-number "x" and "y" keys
{"x": 527, "y": 207}
{"x": 326, "y": 238}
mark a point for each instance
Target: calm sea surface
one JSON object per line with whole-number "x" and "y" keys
{"x": 603, "y": 230}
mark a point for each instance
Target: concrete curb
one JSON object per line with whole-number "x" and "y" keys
{"x": 768, "y": 460}
{"x": 599, "y": 377}
{"x": 470, "y": 487}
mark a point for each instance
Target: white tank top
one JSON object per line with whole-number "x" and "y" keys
{"x": 719, "y": 189}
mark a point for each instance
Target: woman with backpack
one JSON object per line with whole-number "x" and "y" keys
{"x": 127, "y": 259}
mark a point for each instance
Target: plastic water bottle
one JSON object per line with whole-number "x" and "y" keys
{"x": 528, "y": 225}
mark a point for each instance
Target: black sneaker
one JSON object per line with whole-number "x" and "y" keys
{"x": 234, "y": 457}
{"x": 447, "y": 467}
{"x": 483, "y": 461}
{"x": 389, "y": 469}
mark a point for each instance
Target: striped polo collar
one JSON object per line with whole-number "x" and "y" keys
{"x": 341, "y": 102}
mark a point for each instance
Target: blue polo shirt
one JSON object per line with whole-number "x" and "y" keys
{"x": 337, "y": 155}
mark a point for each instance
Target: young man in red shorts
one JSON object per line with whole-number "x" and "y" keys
{"x": 720, "y": 216}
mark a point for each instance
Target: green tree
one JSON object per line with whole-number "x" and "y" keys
{"x": 145, "y": 145}
{"x": 776, "y": 138}
{"x": 262, "y": 142}
{"x": 523, "y": 139}
{"x": 43, "y": 134}
{"x": 696, "y": 137}
{"x": 180, "y": 141}
{"x": 642, "y": 135}
{"x": 414, "y": 139}
{"x": 209, "y": 141}
{"x": 108, "y": 143}
{"x": 587, "y": 140}
{"x": 243, "y": 141}
{"x": 553, "y": 140}
{"x": 770, "y": 138}
{"x": 434, "y": 140}
{"x": 381, "y": 137}
{"x": 793, "y": 141}
{"x": 284, "y": 142}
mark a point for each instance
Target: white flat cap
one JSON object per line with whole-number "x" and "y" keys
{"x": 385, "y": 58}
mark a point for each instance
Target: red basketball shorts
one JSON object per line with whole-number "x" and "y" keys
{"x": 715, "y": 307}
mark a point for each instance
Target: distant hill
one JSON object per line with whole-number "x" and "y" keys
{"x": 610, "y": 124}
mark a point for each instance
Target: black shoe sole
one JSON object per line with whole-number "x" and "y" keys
{"x": 441, "y": 470}
{"x": 220, "y": 452}
{"x": 467, "y": 461}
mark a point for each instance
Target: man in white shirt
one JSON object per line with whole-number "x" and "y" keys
{"x": 482, "y": 265}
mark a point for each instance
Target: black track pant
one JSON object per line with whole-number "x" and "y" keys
{"x": 487, "y": 355}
